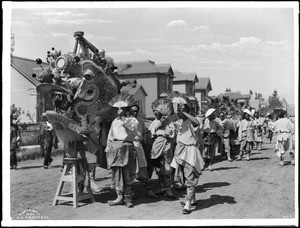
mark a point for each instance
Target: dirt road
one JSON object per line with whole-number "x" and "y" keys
{"x": 256, "y": 189}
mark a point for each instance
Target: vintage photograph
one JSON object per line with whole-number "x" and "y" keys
{"x": 150, "y": 113}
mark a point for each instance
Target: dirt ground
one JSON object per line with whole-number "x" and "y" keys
{"x": 256, "y": 189}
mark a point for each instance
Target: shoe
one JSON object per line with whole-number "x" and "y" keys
{"x": 210, "y": 168}
{"x": 292, "y": 162}
{"x": 128, "y": 203}
{"x": 193, "y": 203}
{"x": 229, "y": 159}
{"x": 49, "y": 163}
{"x": 282, "y": 163}
{"x": 170, "y": 195}
{"x": 13, "y": 167}
{"x": 248, "y": 158}
{"x": 118, "y": 201}
{"x": 187, "y": 208}
{"x": 239, "y": 158}
{"x": 45, "y": 167}
{"x": 95, "y": 188}
{"x": 151, "y": 194}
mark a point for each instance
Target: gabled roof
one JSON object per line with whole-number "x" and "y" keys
{"x": 164, "y": 68}
{"x": 203, "y": 84}
{"x": 131, "y": 89}
{"x": 247, "y": 96}
{"x": 27, "y": 67}
{"x": 234, "y": 95}
{"x": 142, "y": 67}
{"x": 181, "y": 76}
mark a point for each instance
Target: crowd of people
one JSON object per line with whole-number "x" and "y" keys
{"x": 177, "y": 145}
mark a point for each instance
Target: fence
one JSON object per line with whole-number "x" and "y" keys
{"x": 29, "y": 134}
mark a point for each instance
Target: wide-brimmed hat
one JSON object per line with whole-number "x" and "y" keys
{"x": 247, "y": 111}
{"x": 209, "y": 112}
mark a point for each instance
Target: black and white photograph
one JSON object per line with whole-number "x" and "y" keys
{"x": 150, "y": 113}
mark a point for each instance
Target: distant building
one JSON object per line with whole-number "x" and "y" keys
{"x": 237, "y": 97}
{"x": 185, "y": 83}
{"x": 156, "y": 79}
{"x": 139, "y": 94}
{"x": 23, "y": 87}
{"x": 202, "y": 89}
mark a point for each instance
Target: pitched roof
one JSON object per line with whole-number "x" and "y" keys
{"x": 164, "y": 68}
{"x": 203, "y": 83}
{"x": 27, "y": 67}
{"x": 234, "y": 95}
{"x": 142, "y": 67}
{"x": 181, "y": 76}
{"x": 131, "y": 89}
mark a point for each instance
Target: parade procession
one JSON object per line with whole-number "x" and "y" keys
{"x": 97, "y": 125}
{"x": 105, "y": 126}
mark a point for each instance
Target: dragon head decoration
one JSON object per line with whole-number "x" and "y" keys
{"x": 77, "y": 87}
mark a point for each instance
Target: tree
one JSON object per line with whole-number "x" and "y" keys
{"x": 274, "y": 101}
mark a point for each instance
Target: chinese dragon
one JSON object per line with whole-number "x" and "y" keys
{"x": 78, "y": 85}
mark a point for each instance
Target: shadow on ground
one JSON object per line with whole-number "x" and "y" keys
{"x": 213, "y": 201}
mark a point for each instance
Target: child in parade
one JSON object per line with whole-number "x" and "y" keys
{"x": 212, "y": 130}
{"x": 246, "y": 135}
{"x": 228, "y": 127}
{"x": 284, "y": 129}
{"x": 163, "y": 132}
{"x": 269, "y": 127}
{"x": 139, "y": 144}
{"x": 187, "y": 159}
{"x": 258, "y": 130}
{"x": 120, "y": 151}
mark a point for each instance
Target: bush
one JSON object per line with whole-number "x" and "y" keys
{"x": 29, "y": 137}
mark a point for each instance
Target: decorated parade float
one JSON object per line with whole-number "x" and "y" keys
{"x": 75, "y": 90}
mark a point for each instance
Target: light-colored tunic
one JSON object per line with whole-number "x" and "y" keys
{"x": 186, "y": 150}
{"x": 258, "y": 125}
{"x": 163, "y": 136}
{"x": 122, "y": 130}
{"x": 284, "y": 129}
{"x": 246, "y": 130}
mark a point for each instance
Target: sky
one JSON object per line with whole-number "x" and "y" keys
{"x": 238, "y": 46}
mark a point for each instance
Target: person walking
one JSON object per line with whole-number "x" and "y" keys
{"x": 163, "y": 132}
{"x": 15, "y": 138}
{"x": 258, "y": 130}
{"x": 120, "y": 151}
{"x": 139, "y": 143}
{"x": 212, "y": 130}
{"x": 246, "y": 135}
{"x": 228, "y": 127}
{"x": 284, "y": 130}
{"x": 48, "y": 140}
{"x": 187, "y": 159}
{"x": 269, "y": 126}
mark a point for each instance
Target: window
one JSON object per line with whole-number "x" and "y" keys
{"x": 140, "y": 104}
{"x": 163, "y": 84}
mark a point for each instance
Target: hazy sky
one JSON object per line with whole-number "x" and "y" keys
{"x": 245, "y": 47}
